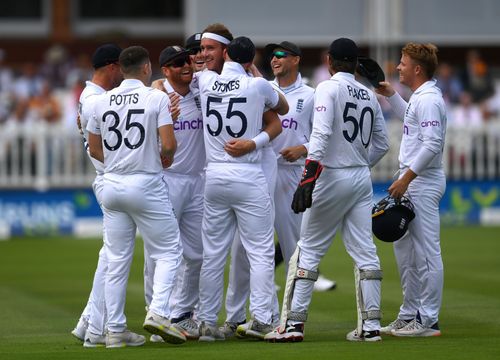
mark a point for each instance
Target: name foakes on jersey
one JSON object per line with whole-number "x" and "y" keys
{"x": 360, "y": 94}
{"x": 224, "y": 87}
{"x": 126, "y": 99}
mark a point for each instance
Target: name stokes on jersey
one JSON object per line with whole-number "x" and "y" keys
{"x": 224, "y": 87}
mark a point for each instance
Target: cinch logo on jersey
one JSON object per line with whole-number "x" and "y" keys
{"x": 320, "y": 108}
{"x": 289, "y": 124}
{"x": 124, "y": 99}
{"x": 405, "y": 130}
{"x": 188, "y": 124}
{"x": 223, "y": 87}
{"x": 360, "y": 94}
{"x": 430, "y": 123}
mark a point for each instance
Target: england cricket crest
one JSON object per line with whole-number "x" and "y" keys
{"x": 300, "y": 105}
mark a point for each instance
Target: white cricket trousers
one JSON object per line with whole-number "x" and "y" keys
{"x": 95, "y": 310}
{"x": 418, "y": 253}
{"x": 237, "y": 197}
{"x": 186, "y": 196}
{"x": 286, "y": 222}
{"x": 238, "y": 288}
{"x": 342, "y": 200}
{"x": 138, "y": 200}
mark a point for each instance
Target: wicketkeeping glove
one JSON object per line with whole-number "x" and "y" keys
{"x": 302, "y": 199}
{"x": 371, "y": 70}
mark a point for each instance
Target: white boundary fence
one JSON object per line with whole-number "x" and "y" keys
{"x": 43, "y": 156}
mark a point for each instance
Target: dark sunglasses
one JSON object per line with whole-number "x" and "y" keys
{"x": 194, "y": 50}
{"x": 179, "y": 62}
{"x": 280, "y": 54}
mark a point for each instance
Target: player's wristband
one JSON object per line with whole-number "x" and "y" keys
{"x": 261, "y": 140}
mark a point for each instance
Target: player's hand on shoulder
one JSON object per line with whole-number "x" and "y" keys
{"x": 293, "y": 153}
{"x": 385, "y": 89}
{"x": 158, "y": 84}
{"x": 175, "y": 109}
{"x": 239, "y": 147}
{"x": 254, "y": 71}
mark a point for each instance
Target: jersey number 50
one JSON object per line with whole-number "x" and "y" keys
{"x": 229, "y": 114}
{"x": 128, "y": 125}
{"x": 358, "y": 125}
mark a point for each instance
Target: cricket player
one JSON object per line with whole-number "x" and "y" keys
{"x": 107, "y": 75}
{"x": 193, "y": 44}
{"x": 213, "y": 44}
{"x": 186, "y": 179}
{"x": 236, "y": 191}
{"x": 348, "y": 137}
{"x": 123, "y": 134}
{"x": 422, "y": 179}
{"x": 291, "y": 146}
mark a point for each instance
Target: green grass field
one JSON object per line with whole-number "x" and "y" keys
{"x": 44, "y": 284}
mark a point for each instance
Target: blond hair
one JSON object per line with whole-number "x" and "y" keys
{"x": 424, "y": 55}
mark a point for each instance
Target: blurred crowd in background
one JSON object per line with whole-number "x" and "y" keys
{"x": 49, "y": 91}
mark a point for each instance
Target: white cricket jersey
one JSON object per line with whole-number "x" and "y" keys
{"x": 348, "y": 123}
{"x": 424, "y": 129}
{"x": 85, "y": 113}
{"x": 297, "y": 123}
{"x": 232, "y": 105}
{"x": 128, "y": 118}
{"x": 190, "y": 154}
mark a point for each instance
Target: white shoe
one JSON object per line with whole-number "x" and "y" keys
{"x": 80, "y": 329}
{"x": 324, "y": 284}
{"x": 210, "y": 333}
{"x": 415, "y": 329}
{"x": 123, "y": 339}
{"x": 254, "y": 329}
{"x": 160, "y": 325}
{"x": 94, "y": 340}
{"x": 189, "y": 328}
{"x": 156, "y": 339}
{"x": 229, "y": 328}
{"x": 395, "y": 325}
{"x": 292, "y": 333}
{"x": 370, "y": 336}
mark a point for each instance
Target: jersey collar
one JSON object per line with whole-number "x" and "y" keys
{"x": 426, "y": 85}
{"x": 94, "y": 85}
{"x": 297, "y": 84}
{"x": 343, "y": 75}
{"x": 231, "y": 67}
{"x": 132, "y": 83}
{"x": 168, "y": 87}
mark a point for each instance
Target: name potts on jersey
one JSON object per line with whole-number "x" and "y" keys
{"x": 125, "y": 99}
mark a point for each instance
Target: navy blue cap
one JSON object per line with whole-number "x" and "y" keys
{"x": 106, "y": 54}
{"x": 241, "y": 50}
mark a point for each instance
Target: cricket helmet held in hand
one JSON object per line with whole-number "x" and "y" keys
{"x": 391, "y": 217}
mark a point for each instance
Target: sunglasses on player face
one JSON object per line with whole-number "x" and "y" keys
{"x": 195, "y": 50}
{"x": 179, "y": 62}
{"x": 280, "y": 54}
